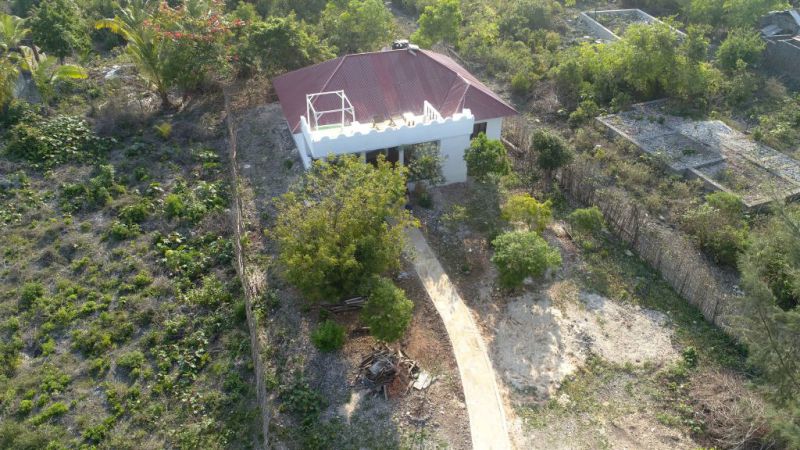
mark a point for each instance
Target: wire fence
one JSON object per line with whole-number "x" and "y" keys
{"x": 668, "y": 251}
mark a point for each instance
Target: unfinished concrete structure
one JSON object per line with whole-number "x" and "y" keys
{"x": 722, "y": 157}
{"x": 609, "y": 25}
{"x": 781, "y": 31}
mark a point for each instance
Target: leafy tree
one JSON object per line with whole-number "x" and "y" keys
{"x": 195, "y": 44}
{"x": 552, "y": 150}
{"x": 740, "y": 45}
{"x": 486, "y": 158}
{"x": 745, "y": 13}
{"x": 520, "y": 254}
{"x": 522, "y": 208}
{"x": 706, "y": 11}
{"x": 388, "y": 311}
{"x": 517, "y": 19}
{"x": 649, "y": 62}
{"x": 357, "y": 25}
{"x": 439, "y": 22}
{"x": 770, "y": 321}
{"x": 342, "y": 224}
{"x": 57, "y": 27}
{"x": 279, "y": 44}
{"x": 718, "y": 226}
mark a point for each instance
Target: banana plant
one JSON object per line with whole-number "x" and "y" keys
{"x": 46, "y": 72}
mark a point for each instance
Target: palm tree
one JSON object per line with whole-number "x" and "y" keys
{"x": 12, "y": 32}
{"x": 144, "y": 46}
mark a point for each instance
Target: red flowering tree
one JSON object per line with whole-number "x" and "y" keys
{"x": 177, "y": 47}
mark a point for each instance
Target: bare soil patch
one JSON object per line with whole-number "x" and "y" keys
{"x": 544, "y": 338}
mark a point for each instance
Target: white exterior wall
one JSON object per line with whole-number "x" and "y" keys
{"x": 494, "y": 128}
{"x": 452, "y": 133}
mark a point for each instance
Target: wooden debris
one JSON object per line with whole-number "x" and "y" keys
{"x": 353, "y": 304}
{"x": 389, "y": 373}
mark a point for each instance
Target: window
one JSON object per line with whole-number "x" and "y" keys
{"x": 477, "y": 129}
{"x": 372, "y": 157}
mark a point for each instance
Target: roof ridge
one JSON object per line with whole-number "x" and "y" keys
{"x": 479, "y": 85}
{"x": 333, "y": 72}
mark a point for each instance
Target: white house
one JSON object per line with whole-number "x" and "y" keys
{"x": 389, "y": 102}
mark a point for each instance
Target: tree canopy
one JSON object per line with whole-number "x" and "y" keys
{"x": 439, "y": 22}
{"x": 357, "y": 25}
{"x": 342, "y": 224}
{"x": 56, "y": 26}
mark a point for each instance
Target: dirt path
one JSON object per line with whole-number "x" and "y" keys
{"x": 484, "y": 405}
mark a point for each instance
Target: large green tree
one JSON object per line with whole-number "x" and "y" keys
{"x": 57, "y": 27}
{"x": 439, "y": 22}
{"x": 279, "y": 44}
{"x": 357, "y": 25}
{"x": 340, "y": 225}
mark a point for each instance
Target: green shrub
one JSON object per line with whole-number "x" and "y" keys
{"x": 387, "y": 312}
{"x": 690, "y": 357}
{"x": 718, "y": 226}
{"x": 193, "y": 204}
{"x": 740, "y": 45}
{"x": 211, "y": 293}
{"x": 486, "y": 157}
{"x": 18, "y": 111}
{"x": 50, "y": 142}
{"x": 121, "y": 231}
{"x": 521, "y": 254}
{"x": 586, "y": 221}
{"x": 135, "y": 213}
{"x": 552, "y": 150}
{"x": 25, "y": 407}
{"x": 55, "y": 410}
{"x": 29, "y": 293}
{"x": 93, "y": 194}
{"x": 586, "y": 111}
{"x": 329, "y": 336}
{"x": 303, "y": 402}
{"x": 131, "y": 363}
{"x": 173, "y": 206}
{"x": 523, "y": 208}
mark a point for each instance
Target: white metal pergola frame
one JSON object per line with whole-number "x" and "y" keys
{"x": 345, "y": 110}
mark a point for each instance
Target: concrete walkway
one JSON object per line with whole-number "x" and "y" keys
{"x": 486, "y": 414}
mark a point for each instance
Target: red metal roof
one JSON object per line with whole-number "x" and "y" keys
{"x": 387, "y": 84}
